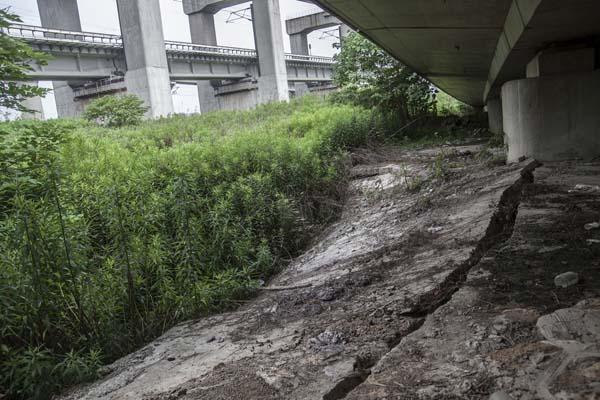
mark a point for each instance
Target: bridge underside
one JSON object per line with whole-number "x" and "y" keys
{"x": 534, "y": 63}
{"x": 466, "y": 46}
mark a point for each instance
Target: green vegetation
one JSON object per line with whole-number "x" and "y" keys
{"x": 15, "y": 56}
{"x": 370, "y": 77}
{"x": 116, "y": 111}
{"x": 108, "y": 237}
{"x": 447, "y": 105}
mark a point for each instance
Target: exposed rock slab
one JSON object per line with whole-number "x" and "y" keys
{"x": 509, "y": 328}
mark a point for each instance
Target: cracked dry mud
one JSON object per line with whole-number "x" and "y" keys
{"x": 440, "y": 293}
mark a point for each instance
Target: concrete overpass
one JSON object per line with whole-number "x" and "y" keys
{"x": 81, "y": 57}
{"x": 534, "y": 63}
{"x": 141, "y": 62}
{"x": 300, "y": 27}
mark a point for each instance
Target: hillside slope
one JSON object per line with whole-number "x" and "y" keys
{"x": 429, "y": 286}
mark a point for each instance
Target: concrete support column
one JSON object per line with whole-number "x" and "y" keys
{"x": 202, "y": 29}
{"x": 268, "y": 34}
{"x": 553, "y": 115}
{"x": 345, "y": 31}
{"x": 494, "y": 111}
{"x": 147, "y": 69}
{"x": 34, "y": 104}
{"x": 299, "y": 45}
{"x": 62, "y": 14}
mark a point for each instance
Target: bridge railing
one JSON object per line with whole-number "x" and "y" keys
{"x": 39, "y": 33}
{"x": 31, "y": 32}
{"x": 313, "y": 59}
{"x": 200, "y": 48}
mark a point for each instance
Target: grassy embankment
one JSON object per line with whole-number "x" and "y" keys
{"x": 110, "y": 237}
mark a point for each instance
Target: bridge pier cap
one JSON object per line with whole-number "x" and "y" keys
{"x": 553, "y": 114}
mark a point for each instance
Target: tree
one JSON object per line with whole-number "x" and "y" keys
{"x": 16, "y": 58}
{"x": 116, "y": 111}
{"x": 369, "y": 76}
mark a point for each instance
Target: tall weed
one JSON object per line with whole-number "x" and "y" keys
{"x": 108, "y": 237}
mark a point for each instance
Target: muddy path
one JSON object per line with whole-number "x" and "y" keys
{"x": 336, "y": 322}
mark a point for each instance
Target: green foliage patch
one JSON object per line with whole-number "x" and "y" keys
{"x": 370, "y": 77}
{"x": 116, "y": 111}
{"x": 108, "y": 237}
{"x": 16, "y": 58}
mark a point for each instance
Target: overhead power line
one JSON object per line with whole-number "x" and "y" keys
{"x": 241, "y": 14}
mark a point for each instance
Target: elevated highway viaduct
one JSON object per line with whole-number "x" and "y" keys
{"x": 93, "y": 64}
{"x": 533, "y": 63}
{"x": 139, "y": 61}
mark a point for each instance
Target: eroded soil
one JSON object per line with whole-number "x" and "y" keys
{"x": 436, "y": 282}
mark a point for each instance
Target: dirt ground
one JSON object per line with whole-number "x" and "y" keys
{"x": 437, "y": 282}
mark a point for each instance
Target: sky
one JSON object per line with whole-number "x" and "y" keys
{"x": 101, "y": 16}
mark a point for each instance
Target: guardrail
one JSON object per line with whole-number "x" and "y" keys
{"x": 37, "y": 32}
{"x": 200, "y": 48}
{"x": 314, "y": 59}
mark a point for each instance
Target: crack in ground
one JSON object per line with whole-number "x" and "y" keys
{"x": 499, "y": 230}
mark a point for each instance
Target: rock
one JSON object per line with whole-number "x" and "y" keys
{"x": 500, "y": 396}
{"x": 211, "y": 339}
{"x": 171, "y": 358}
{"x": 327, "y": 294}
{"x": 435, "y": 229}
{"x": 326, "y": 338}
{"x": 585, "y": 189}
{"x": 566, "y": 280}
{"x": 583, "y": 324}
{"x": 591, "y": 226}
{"x": 551, "y": 249}
{"x": 593, "y": 241}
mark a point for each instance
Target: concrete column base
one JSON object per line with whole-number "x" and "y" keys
{"x": 494, "y": 111}
{"x": 151, "y": 84}
{"x": 301, "y": 89}
{"x": 34, "y": 104}
{"x": 273, "y": 88}
{"x": 66, "y": 106}
{"x": 206, "y": 97}
{"x": 553, "y": 117}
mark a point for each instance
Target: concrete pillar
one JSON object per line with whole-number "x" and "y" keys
{"x": 553, "y": 115}
{"x": 345, "y": 31}
{"x": 494, "y": 111}
{"x": 299, "y": 45}
{"x": 268, "y": 34}
{"x": 34, "y": 104}
{"x": 62, "y": 14}
{"x": 202, "y": 29}
{"x": 147, "y": 69}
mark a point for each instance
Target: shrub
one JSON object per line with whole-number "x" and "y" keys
{"x": 370, "y": 77}
{"x": 116, "y": 111}
{"x": 109, "y": 237}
